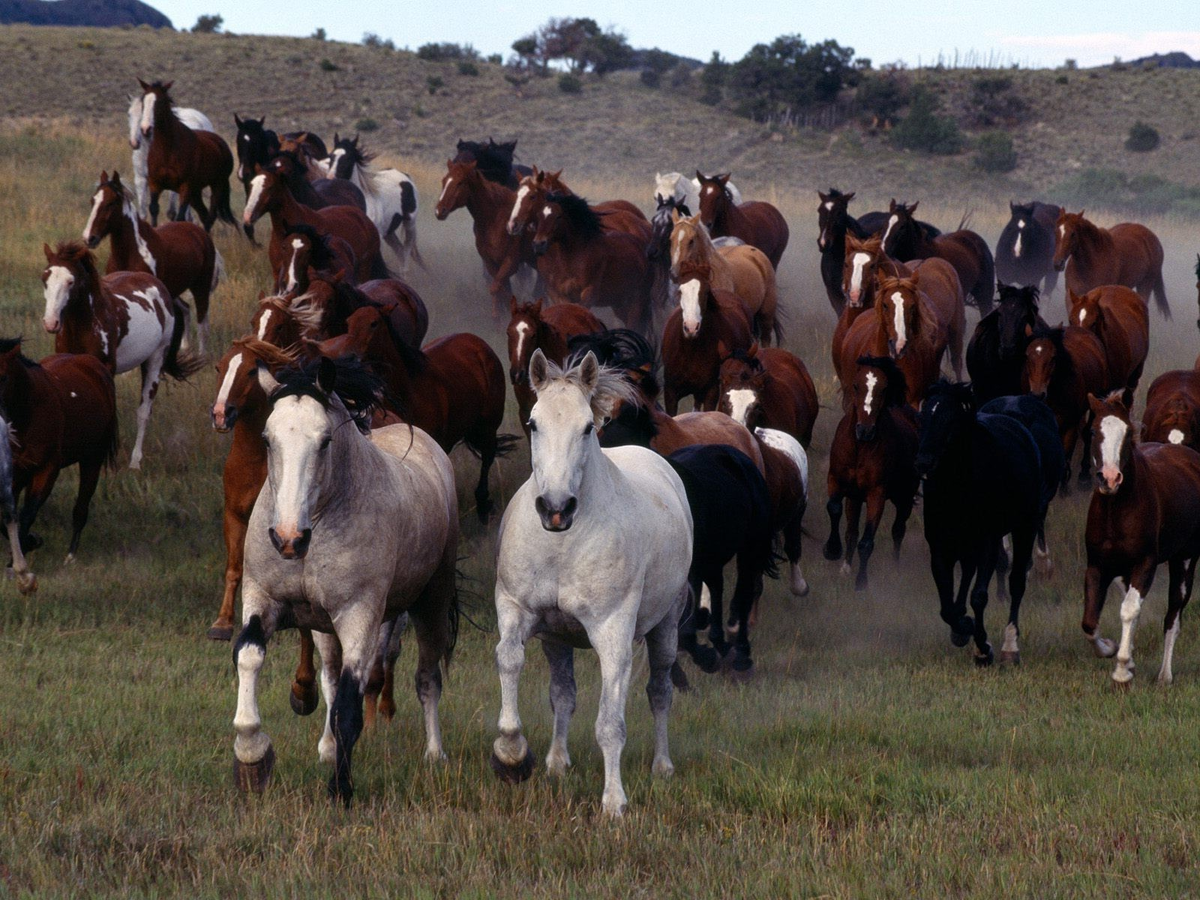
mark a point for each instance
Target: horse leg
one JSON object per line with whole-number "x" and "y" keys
{"x": 512, "y": 760}
{"x": 487, "y": 445}
{"x": 1183, "y": 573}
{"x": 151, "y": 371}
{"x": 398, "y": 248}
{"x": 561, "y": 658}
{"x": 207, "y": 215}
{"x": 303, "y": 695}
{"x": 36, "y": 496}
{"x": 253, "y": 755}
{"x": 1085, "y": 462}
{"x": 432, "y": 619}
{"x": 1069, "y": 438}
{"x": 745, "y": 595}
{"x": 985, "y": 568}
{"x": 89, "y": 477}
{"x": 1041, "y": 552}
{"x": 1095, "y": 590}
{"x": 234, "y": 528}
{"x": 1140, "y": 581}
{"x": 670, "y": 399}
{"x": 716, "y": 623}
{"x": 1023, "y": 541}
{"x": 358, "y": 635}
{"x": 941, "y": 565}
{"x": 900, "y": 526}
{"x": 374, "y": 685}
{"x": 154, "y": 193}
{"x": 613, "y": 640}
{"x": 660, "y": 654}
{"x": 331, "y": 669}
{"x": 792, "y": 534}
{"x": 391, "y": 653}
{"x": 833, "y": 546}
{"x": 853, "y": 512}
{"x": 875, "y": 502}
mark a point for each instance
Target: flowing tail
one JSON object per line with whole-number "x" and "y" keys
{"x": 181, "y": 364}
{"x": 221, "y": 203}
{"x": 1160, "y": 296}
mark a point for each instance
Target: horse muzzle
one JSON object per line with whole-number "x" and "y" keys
{"x": 224, "y": 417}
{"x": 1059, "y": 266}
{"x": 517, "y": 375}
{"x": 540, "y": 247}
{"x": 52, "y": 326}
{"x": 290, "y": 543}
{"x": 897, "y": 351}
{"x": 440, "y": 214}
{"x": 93, "y": 241}
{"x": 864, "y": 433}
{"x": 556, "y": 519}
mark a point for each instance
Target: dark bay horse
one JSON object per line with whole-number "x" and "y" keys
{"x": 308, "y": 250}
{"x": 534, "y": 189}
{"x": 1119, "y": 318}
{"x": 1172, "y": 414}
{"x": 1127, "y": 254}
{"x": 184, "y": 160}
{"x": 1142, "y": 514}
{"x": 905, "y": 240}
{"x": 315, "y": 193}
{"x": 494, "y": 160}
{"x": 996, "y": 353}
{"x": 325, "y": 308}
{"x": 1025, "y": 250}
{"x": 257, "y": 145}
{"x": 769, "y": 387}
{"x": 756, "y": 222}
{"x": 834, "y": 224}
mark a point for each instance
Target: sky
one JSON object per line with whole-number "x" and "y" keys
{"x": 1029, "y": 32}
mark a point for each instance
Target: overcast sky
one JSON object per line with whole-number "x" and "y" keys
{"x": 1031, "y": 32}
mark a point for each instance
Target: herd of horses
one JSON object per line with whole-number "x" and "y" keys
{"x": 341, "y": 513}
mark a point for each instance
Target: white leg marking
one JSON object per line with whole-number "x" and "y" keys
{"x": 1164, "y": 674}
{"x": 250, "y": 744}
{"x": 1131, "y": 608}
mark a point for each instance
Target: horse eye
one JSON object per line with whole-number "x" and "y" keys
{"x": 325, "y": 442}
{"x": 588, "y": 429}
{"x": 532, "y": 425}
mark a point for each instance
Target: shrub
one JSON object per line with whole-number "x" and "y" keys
{"x": 924, "y": 130}
{"x": 1142, "y": 138}
{"x": 650, "y": 78}
{"x": 209, "y": 24}
{"x": 681, "y": 76}
{"x": 319, "y": 35}
{"x": 370, "y": 39}
{"x": 712, "y": 95}
{"x": 1062, "y": 79}
{"x": 884, "y": 94}
{"x": 367, "y": 124}
{"x": 495, "y": 59}
{"x": 468, "y": 68}
{"x": 994, "y": 152}
{"x": 992, "y": 102}
{"x": 570, "y": 84}
{"x": 434, "y": 83}
{"x": 790, "y": 74}
{"x": 447, "y": 51}
{"x": 328, "y": 66}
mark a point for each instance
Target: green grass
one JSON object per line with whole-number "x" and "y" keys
{"x": 867, "y": 758}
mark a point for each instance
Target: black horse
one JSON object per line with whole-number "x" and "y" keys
{"x": 996, "y": 353}
{"x": 494, "y": 161}
{"x": 257, "y": 145}
{"x": 983, "y": 480}
{"x": 1025, "y": 251}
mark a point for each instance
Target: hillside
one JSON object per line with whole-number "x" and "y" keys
{"x": 82, "y": 13}
{"x": 616, "y": 128}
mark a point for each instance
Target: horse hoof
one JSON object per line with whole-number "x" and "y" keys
{"x": 254, "y": 777}
{"x": 962, "y": 635}
{"x": 1104, "y": 648}
{"x": 1010, "y": 656}
{"x": 27, "y": 583}
{"x": 1122, "y": 687}
{"x": 220, "y": 632}
{"x": 860, "y": 585}
{"x": 706, "y": 659}
{"x": 845, "y": 569}
{"x": 679, "y": 678}
{"x": 303, "y": 700}
{"x": 832, "y": 552}
{"x": 985, "y": 658}
{"x": 513, "y": 774}
{"x": 703, "y": 618}
{"x": 742, "y": 672}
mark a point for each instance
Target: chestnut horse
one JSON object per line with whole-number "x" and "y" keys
{"x": 534, "y": 326}
{"x": 1172, "y": 413}
{"x": 180, "y": 254}
{"x": 757, "y": 223}
{"x": 769, "y": 388}
{"x": 1119, "y": 317}
{"x": 872, "y": 460}
{"x": 861, "y": 263}
{"x": 906, "y": 240}
{"x": 315, "y": 193}
{"x": 184, "y": 160}
{"x": 1127, "y": 254}
{"x": 324, "y": 310}
{"x": 708, "y": 325}
{"x": 534, "y": 189}
{"x": 1143, "y": 513}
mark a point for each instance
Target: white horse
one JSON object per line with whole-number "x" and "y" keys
{"x": 192, "y": 118}
{"x": 594, "y": 551}
{"x": 685, "y": 190}
{"x": 352, "y": 530}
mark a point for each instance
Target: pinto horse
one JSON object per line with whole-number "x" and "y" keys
{"x": 757, "y": 223}
{"x": 534, "y": 326}
{"x": 996, "y": 353}
{"x": 184, "y": 160}
{"x": 1172, "y": 413}
{"x": 1025, "y": 250}
{"x": 872, "y": 461}
{"x": 180, "y": 254}
{"x": 965, "y": 250}
{"x": 1127, "y": 254}
{"x": 769, "y": 388}
{"x": 535, "y": 189}
{"x": 1142, "y": 514}
{"x": 125, "y": 319}
{"x": 1119, "y": 318}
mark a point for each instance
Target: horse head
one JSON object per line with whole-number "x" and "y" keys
{"x": 1066, "y": 237}
{"x": 831, "y": 212}
{"x": 523, "y": 326}
{"x": 742, "y": 379}
{"x": 859, "y": 266}
{"x": 1017, "y": 310}
{"x": 714, "y": 197}
{"x": 239, "y": 390}
{"x": 460, "y": 177}
{"x": 903, "y": 313}
{"x": 878, "y": 385}
{"x": 948, "y": 409}
{"x": 694, "y": 281}
{"x": 1112, "y": 446}
{"x": 900, "y": 222}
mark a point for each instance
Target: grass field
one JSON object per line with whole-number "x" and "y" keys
{"x": 867, "y": 758}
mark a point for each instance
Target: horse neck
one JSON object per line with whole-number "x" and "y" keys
{"x": 1094, "y": 244}
{"x": 354, "y": 459}
{"x": 19, "y": 398}
{"x": 133, "y": 241}
{"x": 551, "y": 341}
{"x": 488, "y": 202}
{"x": 668, "y": 429}
{"x": 288, "y": 212}
{"x": 169, "y": 132}
{"x": 302, "y": 191}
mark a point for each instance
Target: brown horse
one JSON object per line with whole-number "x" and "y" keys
{"x": 452, "y": 388}
{"x": 1063, "y": 366}
{"x": 489, "y": 204}
{"x": 1119, "y": 318}
{"x": 757, "y": 223}
{"x": 862, "y": 262}
{"x": 769, "y": 388}
{"x": 307, "y": 250}
{"x": 1127, "y": 254}
{"x": 60, "y": 412}
{"x": 872, "y": 461}
{"x": 1143, "y": 513}
{"x": 324, "y": 310}
{"x": 184, "y": 160}
{"x": 534, "y": 326}
{"x": 709, "y": 325}
{"x": 785, "y": 469}
{"x": 930, "y": 294}
{"x": 583, "y": 262}
{"x": 615, "y": 215}
{"x": 180, "y": 254}
{"x": 295, "y": 167}
{"x": 1172, "y": 413}
{"x": 966, "y": 251}
{"x": 269, "y": 195}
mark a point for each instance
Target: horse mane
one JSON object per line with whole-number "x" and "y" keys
{"x": 1027, "y": 294}
{"x": 621, "y": 348}
{"x": 1064, "y": 365}
{"x": 751, "y": 362}
{"x": 356, "y": 386}
{"x": 78, "y": 252}
{"x": 612, "y": 386}
{"x": 494, "y": 161}
{"x": 582, "y": 218}
{"x": 7, "y": 345}
{"x": 896, "y": 393}
{"x": 322, "y": 256}
{"x": 274, "y": 357}
{"x": 123, "y": 190}
{"x": 414, "y": 359}
{"x": 959, "y": 391}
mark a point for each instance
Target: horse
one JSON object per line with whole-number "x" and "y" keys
{"x": 192, "y": 118}
{"x": 684, "y": 191}
{"x": 534, "y": 326}
{"x": 1198, "y": 286}
{"x": 757, "y": 223}
{"x": 59, "y": 412}
{"x": 180, "y": 254}
{"x": 708, "y": 325}
{"x": 307, "y": 249}
{"x": 452, "y": 388}
{"x": 325, "y": 308}
{"x": 982, "y": 480}
{"x": 494, "y": 160}
{"x": 1142, "y": 514}
{"x": 740, "y": 269}
{"x": 125, "y": 319}
{"x": 876, "y": 223}
{"x": 1172, "y": 414}
{"x": 583, "y": 262}
{"x": 966, "y": 251}
{"x": 19, "y": 567}
{"x": 862, "y": 261}
{"x": 872, "y": 461}
{"x": 391, "y": 197}
{"x": 1025, "y": 251}
{"x": 1127, "y": 254}
{"x": 835, "y": 225}
{"x": 269, "y": 195}
{"x": 769, "y": 388}
{"x": 785, "y": 466}
{"x": 489, "y": 203}
{"x": 1062, "y": 366}
{"x": 257, "y": 145}
{"x": 353, "y": 528}
{"x": 996, "y": 352}
{"x": 184, "y": 160}
{"x": 1119, "y": 318}
{"x": 535, "y": 188}
{"x": 314, "y": 193}
{"x": 623, "y": 512}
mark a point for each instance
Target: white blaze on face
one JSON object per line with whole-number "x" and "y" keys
{"x": 1112, "y": 437}
{"x": 1017, "y": 245}
{"x": 96, "y": 201}
{"x": 143, "y": 248}
{"x": 256, "y": 189}
{"x": 295, "y": 431}
{"x": 58, "y": 291}
{"x": 334, "y": 158}
{"x": 226, "y": 386}
{"x": 829, "y": 206}
{"x": 148, "y": 113}
{"x": 1082, "y": 315}
{"x": 740, "y": 401}
{"x": 869, "y": 400}
{"x": 262, "y": 323}
{"x": 858, "y": 263}
{"x": 689, "y": 303}
{"x": 522, "y": 193}
{"x": 445, "y": 187}
{"x": 522, "y": 332}
{"x": 891, "y": 224}
{"x": 291, "y": 282}
{"x": 901, "y": 337}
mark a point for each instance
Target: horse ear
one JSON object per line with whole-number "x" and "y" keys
{"x": 513, "y": 305}
{"x": 537, "y": 306}
{"x": 145, "y": 87}
{"x": 912, "y": 209}
{"x": 538, "y": 369}
{"x": 104, "y": 176}
{"x": 1096, "y": 404}
{"x": 892, "y": 205}
{"x": 915, "y": 278}
{"x": 237, "y": 120}
{"x": 589, "y": 371}
{"x": 167, "y": 85}
{"x": 49, "y": 253}
{"x": 824, "y": 197}
{"x": 846, "y": 198}
{"x": 335, "y": 138}
{"x": 699, "y": 175}
{"x": 266, "y": 380}
{"x": 326, "y": 375}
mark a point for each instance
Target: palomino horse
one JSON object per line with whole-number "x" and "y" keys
{"x": 1172, "y": 413}
{"x": 184, "y": 160}
{"x": 534, "y": 189}
{"x": 684, "y": 191}
{"x": 1143, "y": 513}
{"x": 495, "y": 160}
{"x": 60, "y": 412}
{"x": 489, "y": 204}
{"x": 757, "y": 223}
{"x": 996, "y": 353}
{"x": 623, "y": 512}
{"x": 192, "y": 118}
{"x": 872, "y": 461}
{"x": 1127, "y": 254}
{"x": 353, "y": 528}
{"x": 1119, "y": 318}
{"x": 983, "y": 480}
{"x": 905, "y": 240}
{"x": 180, "y": 254}
{"x": 125, "y": 319}
{"x": 741, "y": 269}
{"x": 534, "y": 326}
{"x": 391, "y": 197}
{"x": 19, "y": 567}
{"x": 769, "y": 388}
{"x": 1025, "y": 250}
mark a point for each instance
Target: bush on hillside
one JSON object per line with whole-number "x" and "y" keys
{"x": 789, "y": 74}
{"x": 319, "y": 35}
{"x": 367, "y": 124}
{"x": 883, "y": 94}
{"x": 209, "y": 24}
{"x": 570, "y": 84}
{"x": 1142, "y": 138}
{"x": 924, "y": 130}
{"x": 994, "y": 152}
{"x": 446, "y": 51}
{"x": 993, "y": 101}
{"x": 468, "y": 68}
{"x": 375, "y": 42}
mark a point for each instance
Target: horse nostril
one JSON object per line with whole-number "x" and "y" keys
{"x": 569, "y": 508}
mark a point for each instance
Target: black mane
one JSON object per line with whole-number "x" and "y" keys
{"x": 7, "y": 345}
{"x": 621, "y": 348}
{"x": 1064, "y": 366}
{"x": 322, "y": 256}
{"x": 494, "y": 161}
{"x": 1027, "y": 294}
{"x": 582, "y": 218}
{"x": 356, "y": 386}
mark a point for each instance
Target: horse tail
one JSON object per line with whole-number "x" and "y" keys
{"x": 777, "y": 325}
{"x": 218, "y": 274}
{"x": 505, "y": 444}
{"x": 180, "y": 364}
{"x": 964, "y": 221}
{"x": 1160, "y": 296}
{"x": 220, "y": 201}
{"x": 379, "y": 269}
{"x": 410, "y": 240}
